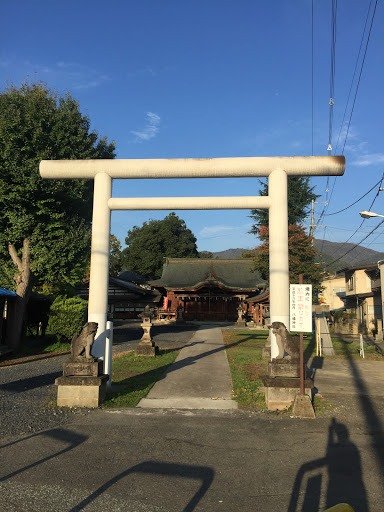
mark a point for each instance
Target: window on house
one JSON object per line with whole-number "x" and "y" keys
{"x": 350, "y": 283}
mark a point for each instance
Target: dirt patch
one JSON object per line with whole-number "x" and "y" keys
{"x": 254, "y": 371}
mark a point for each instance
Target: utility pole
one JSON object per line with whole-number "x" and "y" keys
{"x": 313, "y": 218}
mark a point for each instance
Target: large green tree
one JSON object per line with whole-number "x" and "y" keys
{"x": 44, "y": 224}
{"x": 302, "y": 257}
{"x": 148, "y": 245}
{"x": 300, "y": 195}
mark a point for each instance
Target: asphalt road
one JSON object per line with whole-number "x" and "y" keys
{"x": 172, "y": 460}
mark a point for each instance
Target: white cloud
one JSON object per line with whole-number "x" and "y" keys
{"x": 73, "y": 74}
{"x": 369, "y": 159}
{"x": 223, "y": 230}
{"x": 151, "y": 129}
{"x": 147, "y": 70}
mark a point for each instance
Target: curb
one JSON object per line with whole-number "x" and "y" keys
{"x": 29, "y": 359}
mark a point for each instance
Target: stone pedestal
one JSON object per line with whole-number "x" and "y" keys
{"x": 266, "y": 351}
{"x": 146, "y": 326}
{"x": 282, "y": 384}
{"x": 240, "y": 321}
{"x": 83, "y": 383}
{"x": 81, "y": 391}
{"x": 179, "y": 316}
{"x": 147, "y": 348}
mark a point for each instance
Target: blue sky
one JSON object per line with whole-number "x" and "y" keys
{"x": 214, "y": 78}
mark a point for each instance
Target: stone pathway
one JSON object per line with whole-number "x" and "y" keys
{"x": 198, "y": 379}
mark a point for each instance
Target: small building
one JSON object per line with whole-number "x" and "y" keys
{"x": 128, "y": 295}
{"x": 354, "y": 298}
{"x": 333, "y": 294}
{"x": 207, "y": 289}
{"x": 363, "y": 296}
{"x": 7, "y": 299}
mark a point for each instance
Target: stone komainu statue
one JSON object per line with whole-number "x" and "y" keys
{"x": 285, "y": 341}
{"x": 82, "y": 344}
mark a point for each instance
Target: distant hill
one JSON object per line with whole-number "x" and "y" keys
{"x": 229, "y": 254}
{"x": 357, "y": 255}
{"x": 328, "y": 252}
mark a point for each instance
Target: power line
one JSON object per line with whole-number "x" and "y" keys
{"x": 312, "y": 76}
{"x": 354, "y": 233}
{"x": 346, "y": 208}
{"x": 354, "y": 74}
{"x": 361, "y": 71}
{"x": 354, "y": 101}
{"x": 355, "y": 245}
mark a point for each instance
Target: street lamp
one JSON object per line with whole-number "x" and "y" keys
{"x": 368, "y": 215}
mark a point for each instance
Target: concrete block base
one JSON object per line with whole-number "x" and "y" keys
{"x": 147, "y": 349}
{"x": 81, "y": 391}
{"x": 280, "y": 392}
{"x": 302, "y": 407}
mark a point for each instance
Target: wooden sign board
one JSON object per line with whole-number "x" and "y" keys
{"x": 300, "y": 299}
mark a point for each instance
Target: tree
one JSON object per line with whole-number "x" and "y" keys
{"x": 115, "y": 256}
{"x": 300, "y": 195}
{"x": 44, "y": 224}
{"x": 155, "y": 240}
{"x": 205, "y": 254}
{"x": 302, "y": 257}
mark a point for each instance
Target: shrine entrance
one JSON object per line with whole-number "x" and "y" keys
{"x": 276, "y": 169}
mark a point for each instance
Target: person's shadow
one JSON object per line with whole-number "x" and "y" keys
{"x": 335, "y": 478}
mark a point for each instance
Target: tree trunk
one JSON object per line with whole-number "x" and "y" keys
{"x": 23, "y": 280}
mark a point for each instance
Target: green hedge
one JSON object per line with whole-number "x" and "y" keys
{"x": 67, "y": 317}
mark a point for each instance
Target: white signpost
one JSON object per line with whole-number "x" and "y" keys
{"x": 300, "y": 318}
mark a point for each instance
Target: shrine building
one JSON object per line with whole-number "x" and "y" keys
{"x": 208, "y": 289}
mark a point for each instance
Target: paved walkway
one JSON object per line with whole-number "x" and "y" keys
{"x": 198, "y": 379}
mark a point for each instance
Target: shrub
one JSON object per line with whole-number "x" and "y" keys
{"x": 67, "y": 317}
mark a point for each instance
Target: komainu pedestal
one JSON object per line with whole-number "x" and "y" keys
{"x": 83, "y": 383}
{"x": 282, "y": 383}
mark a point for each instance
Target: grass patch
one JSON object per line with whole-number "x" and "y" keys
{"x": 321, "y": 405}
{"x": 247, "y": 366}
{"x": 344, "y": 349}
{"x": 135, "y": 375}
{"x": 42, "y": 345}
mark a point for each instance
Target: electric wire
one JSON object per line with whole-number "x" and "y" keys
{"x": 312, "y": 76}
{"x": 356, "y": 230}
{"x": 355, "y": 245}
{"x": 353, "y": 106}
{"x": 347, "y": 207}
{"x": 361, "y": 71}
{"x": 354, "y": 74}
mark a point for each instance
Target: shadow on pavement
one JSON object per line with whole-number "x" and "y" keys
{"x": 65, "y": 436}
{"x": 374, "y": 426}
{"x": 203, "y": 473}
{"x": 338, "y": 475}
{"x": 38, "y": 381}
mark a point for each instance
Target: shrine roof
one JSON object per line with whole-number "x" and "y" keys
{"x": 193, "y": 273}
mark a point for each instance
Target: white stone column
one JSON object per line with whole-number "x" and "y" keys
{"x": 99, "y": 275}
{"x": 278, "y": 251}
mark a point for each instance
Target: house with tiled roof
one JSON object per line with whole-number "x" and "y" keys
{"x": 208, "y": 289}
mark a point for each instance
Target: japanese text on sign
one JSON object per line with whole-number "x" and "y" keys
{"x": 300, "y": 319}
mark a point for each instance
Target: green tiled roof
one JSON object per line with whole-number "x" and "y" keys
{"x": 193, "y": 273}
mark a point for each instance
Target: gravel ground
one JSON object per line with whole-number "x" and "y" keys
{"x": 28, "y": 392}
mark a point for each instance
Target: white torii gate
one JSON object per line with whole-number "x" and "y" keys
{"x": 275, "y": 168}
